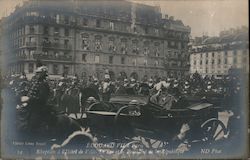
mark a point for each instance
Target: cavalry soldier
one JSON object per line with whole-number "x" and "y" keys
{"x": 35, "y": 103}
{"x": 22, "y": 86}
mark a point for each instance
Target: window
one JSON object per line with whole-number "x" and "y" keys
{"x": 66, "y": 19}
{"x": 156, "y": 63}
{"x": 145, "y": 62}
{"x": 32, "y": 29}
{"x": 219, "y": 61}
{"x": 201, "y": 62}
{"x": 225, "y": 53}
{"x": 85, "y": 21}
{"x": 134, "y": 62}
{"x": 235, "y": 53}
{"x": 32, "y": 39}
{"x": 212, "y": 54}
{"x": 84, "y": 57}
{"x": 98, "y": 23}
{"x": 146, "y": 30}
{"x": 122, "y": 60}
{"x": 66, "y": 69}
{"x": 206, "y": 54}
{"x": 66, "y": 42}
{"x": 57, "y": 18}
{"x": 31, "y": 67}
{"x": 56, "y": 31}
{"x": 97, "y": 59}
{"x": 194, "y": 62}
{"x": 111, "y": 25}
{"x": 225, "y": 60}
{"x": 110, "y": 59}
{"x": 235, "y": 60}
{"x": 46, "y": 30}
{"x": 85, "y": 45}
{"x": 56, "y": 41}
{"x": 134, "y": 29}
{"x": 66, "y": 32}
{"x": 157, "y": 32}
{"x": 55, "y": 69}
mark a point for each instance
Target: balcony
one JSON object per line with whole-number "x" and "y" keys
{"x": 31, "y": 44}
{"x": 57, "y": 45}
{"x": 53, "y": 57}
{"x": 219, "y": 48}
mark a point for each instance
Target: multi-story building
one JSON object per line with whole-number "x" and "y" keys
{"x": 217, "y": 55}
{"x": 1, "y": 48}
{"x": 90, "y": 38}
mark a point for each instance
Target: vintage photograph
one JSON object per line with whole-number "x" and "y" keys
{"x": 124, "y": 79}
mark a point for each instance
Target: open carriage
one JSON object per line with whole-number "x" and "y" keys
{"x": 150, "y": 126}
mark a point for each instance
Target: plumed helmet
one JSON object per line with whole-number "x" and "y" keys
{"x": 42, "y": 69}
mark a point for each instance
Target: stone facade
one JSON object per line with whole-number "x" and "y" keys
{"x": 216, "y": 55}
{"x": 87, "y": 38}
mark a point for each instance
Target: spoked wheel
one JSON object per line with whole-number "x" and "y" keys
{"x": 213, "y": 130}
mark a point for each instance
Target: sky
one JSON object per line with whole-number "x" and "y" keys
{"x": 203, "y": 16}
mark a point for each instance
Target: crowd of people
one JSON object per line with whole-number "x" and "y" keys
{"x": 226, "y": 86}
{"x": 39, "y": 98}
{"x": 65, "y": 92}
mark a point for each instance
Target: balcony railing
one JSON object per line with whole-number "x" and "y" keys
{"x": 53, "y": 57}
{"x": 31, "y": 44}
{"x": 56, "y": 45}
{"x": 219, "y": 48}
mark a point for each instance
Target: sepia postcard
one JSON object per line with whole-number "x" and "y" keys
{"x": 124, "y": 79}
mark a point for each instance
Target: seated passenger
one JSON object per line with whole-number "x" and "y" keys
{"x": 163, "y": 98}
